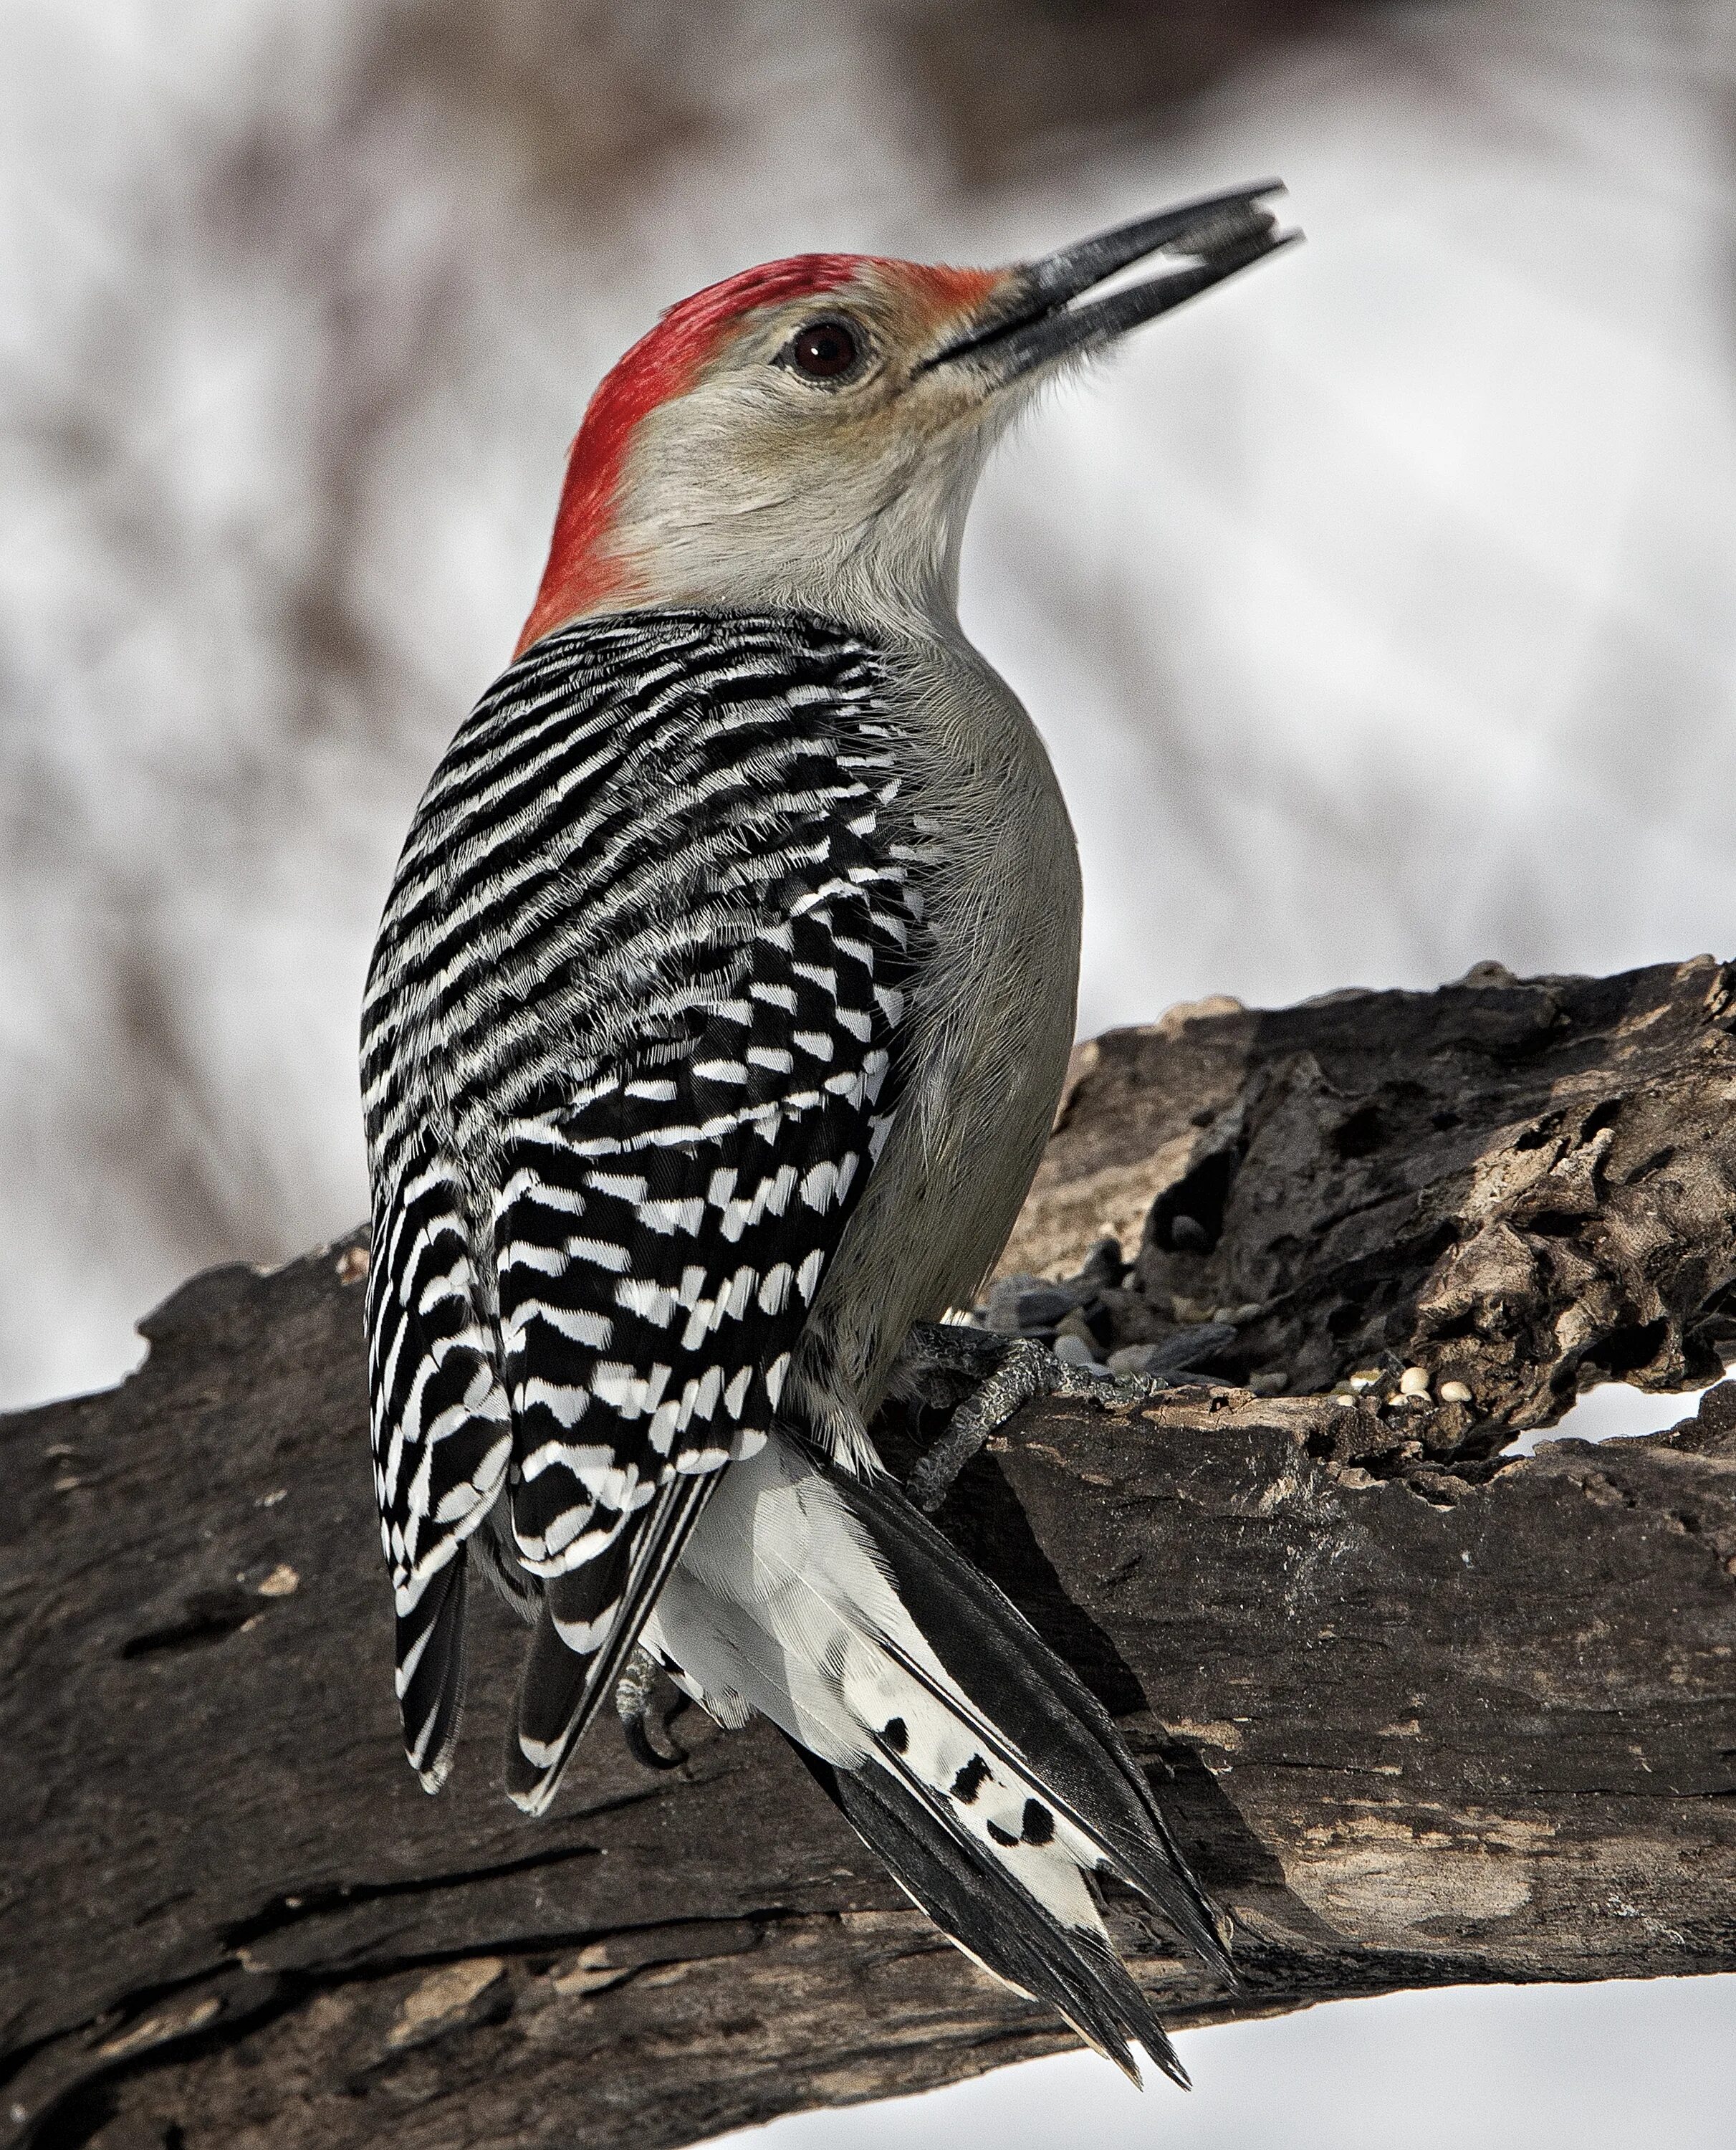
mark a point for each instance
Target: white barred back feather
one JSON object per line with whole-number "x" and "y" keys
{"x": 630, "y": 1047}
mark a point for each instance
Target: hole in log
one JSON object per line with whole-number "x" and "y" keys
{"x": 1361, "y": 1134}
{"x": 1600, "y": 1117}
{"x": 1189, "y": 1218}
{"x": 1554, "y": 1225}
{"x": 1626, "y": 1350}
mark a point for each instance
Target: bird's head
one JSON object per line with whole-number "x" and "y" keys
{"x": 809, "y": 432}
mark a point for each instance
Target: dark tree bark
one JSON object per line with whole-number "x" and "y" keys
{"x": 1429, "y": 1711}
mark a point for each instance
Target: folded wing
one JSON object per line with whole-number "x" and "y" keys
{"x": 631, "y": 1046}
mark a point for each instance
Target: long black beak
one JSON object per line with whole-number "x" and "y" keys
{"x": 1036, "y": 323}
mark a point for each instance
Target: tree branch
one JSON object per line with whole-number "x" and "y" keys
{"x": 1431, "y": 1714}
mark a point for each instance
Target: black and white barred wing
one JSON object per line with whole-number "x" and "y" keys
{"x": 656, "y": 1264}
{"x": 655, "y": 901}
{"x": 442, "y": 1434}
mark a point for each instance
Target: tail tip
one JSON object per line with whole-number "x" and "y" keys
{"x": 533, "y": 1799}
{"x": 1167, "y": 2058}
{"x": 1157, "y": 2047}
{"x": 431, "y": 1775}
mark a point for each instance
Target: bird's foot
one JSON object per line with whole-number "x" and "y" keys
{"x": 1008, "y": 1372}
{"x": 633, "y": 1697}
{"x": 1042, "y": 1339}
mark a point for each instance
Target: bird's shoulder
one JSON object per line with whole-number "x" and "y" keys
{"x": 634, "y": 792}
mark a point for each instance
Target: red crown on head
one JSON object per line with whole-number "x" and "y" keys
{"x": 661, "y": 366}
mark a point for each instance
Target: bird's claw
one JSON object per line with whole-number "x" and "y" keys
{"x": 1023, "y": 1371}
{"x": 633, "y": 1692}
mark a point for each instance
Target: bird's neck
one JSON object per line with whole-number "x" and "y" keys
{"x": 882, "y": 559}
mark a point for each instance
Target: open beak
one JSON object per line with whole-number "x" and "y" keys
{"x": 1033, "y": 320}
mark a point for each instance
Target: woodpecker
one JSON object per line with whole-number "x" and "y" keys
{"x": 716, "y": 1023}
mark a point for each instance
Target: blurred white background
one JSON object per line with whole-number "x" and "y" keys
{"x": 1379, "y": 611}
{"x": 1541, "y": 2067}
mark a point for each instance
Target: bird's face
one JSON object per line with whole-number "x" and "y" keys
{"x": 809, "y": 433}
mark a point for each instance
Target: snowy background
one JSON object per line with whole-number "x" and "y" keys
{"x": 1381, "y": 611}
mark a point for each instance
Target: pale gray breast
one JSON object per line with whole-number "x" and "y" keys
{"x": 991, "y": 1023}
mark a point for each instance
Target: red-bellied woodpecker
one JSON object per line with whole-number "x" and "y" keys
{"x": 719, "y": 1013}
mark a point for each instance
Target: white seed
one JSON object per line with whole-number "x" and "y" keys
{"x": 1454, "y": 1392}
{"x": 1365, "y": 1378}
{"x": 1413, "y": 1381}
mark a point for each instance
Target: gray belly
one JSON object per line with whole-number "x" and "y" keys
{"x": 984, "y": 1054}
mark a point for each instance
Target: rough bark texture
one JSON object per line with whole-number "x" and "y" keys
{"x": 1430, "y": 1713}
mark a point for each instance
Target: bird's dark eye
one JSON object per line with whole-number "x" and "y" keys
{"x": 824, "y": 350}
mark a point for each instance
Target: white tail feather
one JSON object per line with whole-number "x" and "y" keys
{"x": 780, "y": 1604}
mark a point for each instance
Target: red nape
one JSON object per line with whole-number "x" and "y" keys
{"x": 661, "y": 364}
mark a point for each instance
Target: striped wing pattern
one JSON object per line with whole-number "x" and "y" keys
{"x": 630, "y": 1047}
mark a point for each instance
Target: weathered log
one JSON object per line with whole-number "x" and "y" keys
{"x": 1429, "y": 1712}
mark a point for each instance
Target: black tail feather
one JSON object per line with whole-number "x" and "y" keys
{"x": 1040, "y": 1703}
{"x": 950, "y": 1875}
